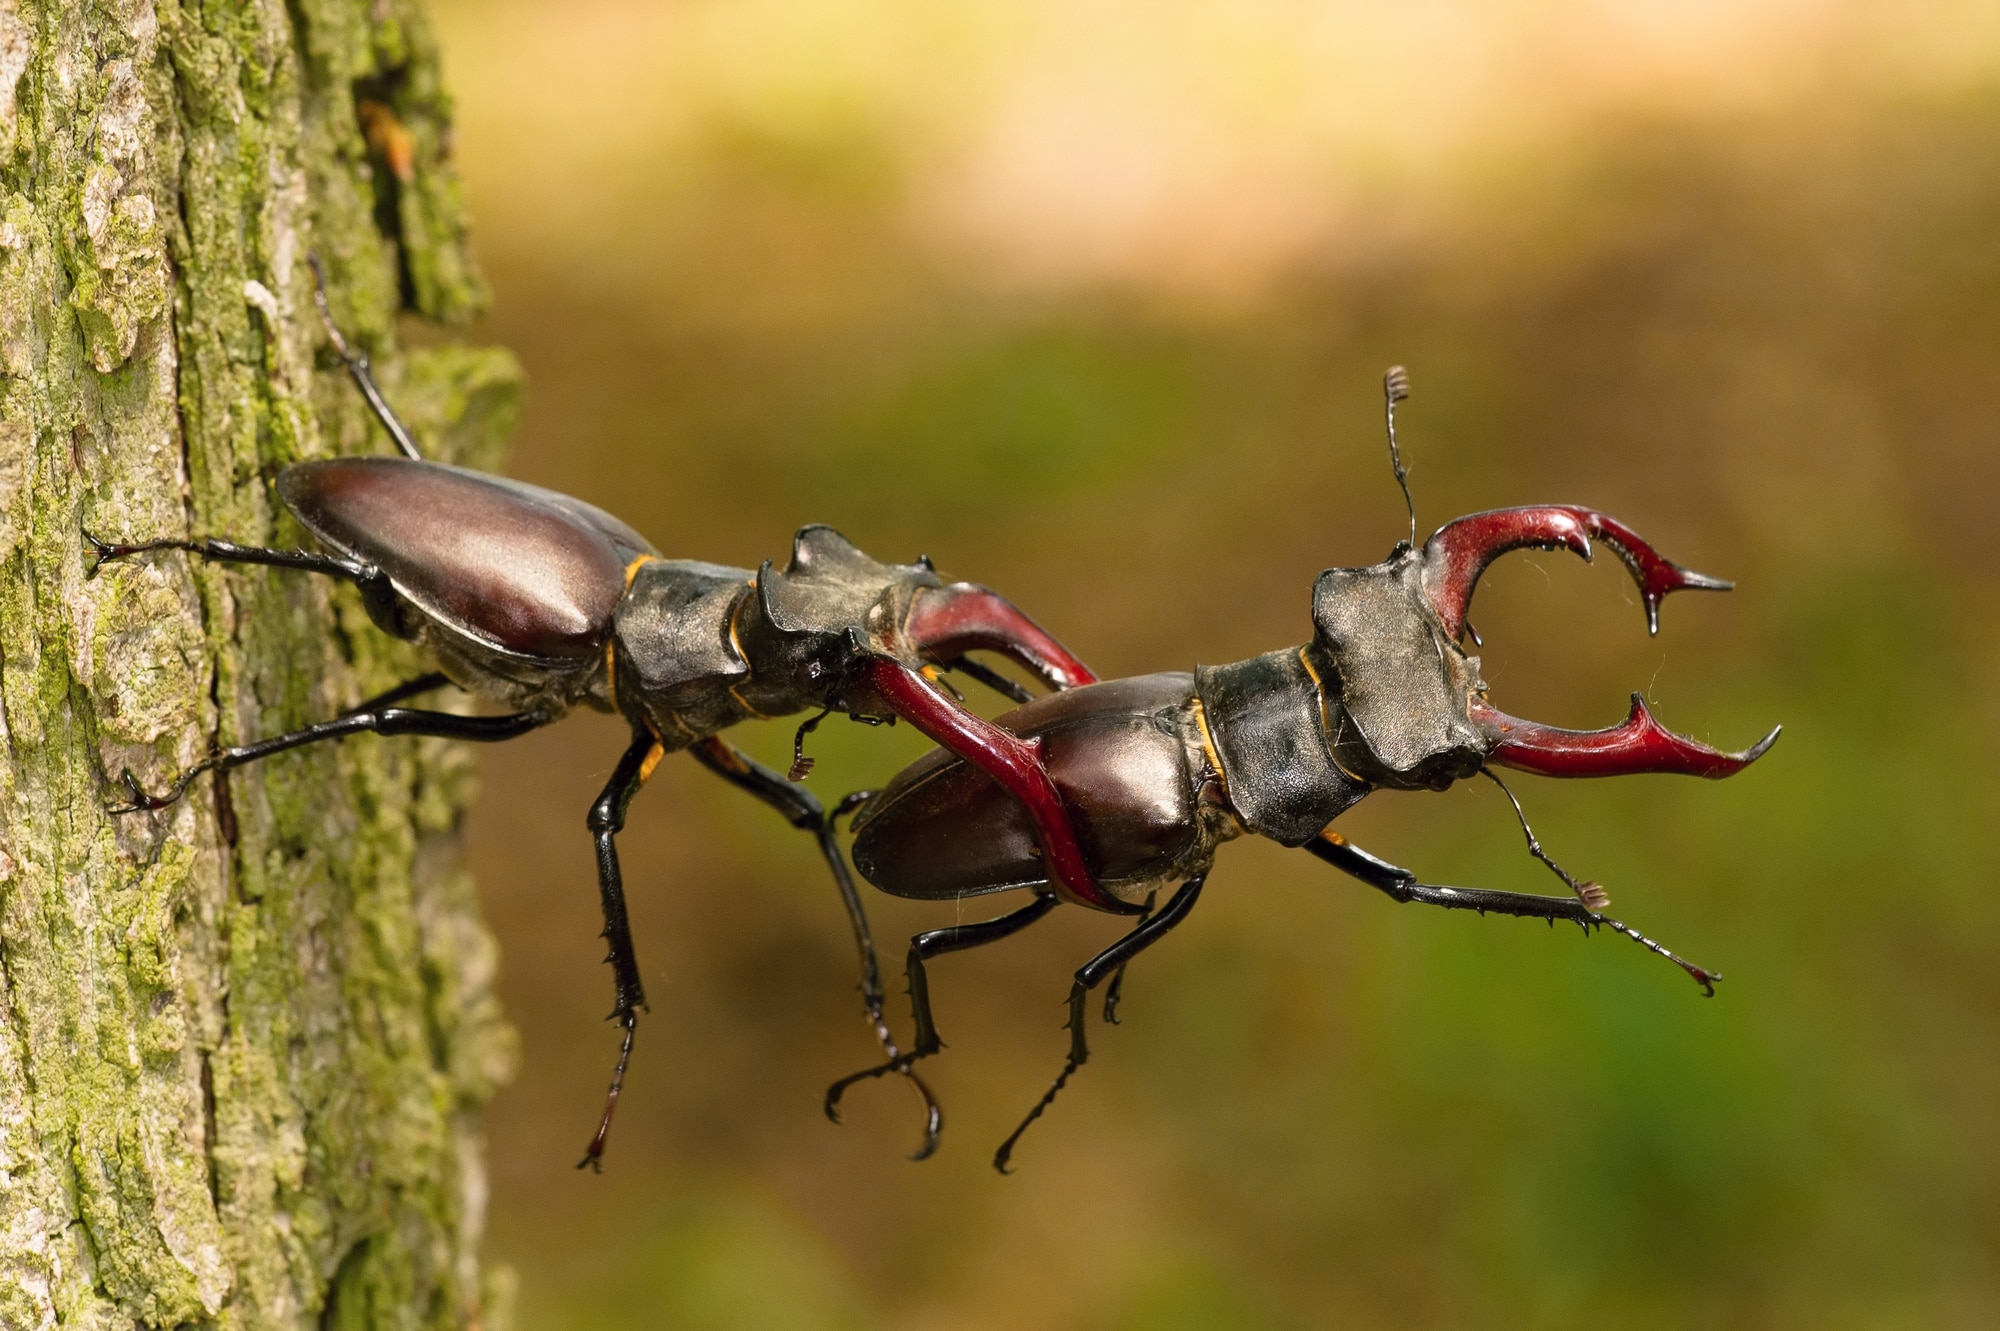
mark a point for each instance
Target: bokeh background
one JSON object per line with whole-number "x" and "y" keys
{"x": 1090, "y": 301}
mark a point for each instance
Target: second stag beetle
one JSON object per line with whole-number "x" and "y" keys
{"x": 1158, "y": 771}
{"x": 539, "y": 602}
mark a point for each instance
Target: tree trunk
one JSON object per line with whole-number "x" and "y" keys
{"x": 242, "y": 1041}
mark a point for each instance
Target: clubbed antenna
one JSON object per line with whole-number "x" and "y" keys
{"x": 1595, "y": 898}
{"x": 1396, "y": 388}
{"x": 802, "y": 765}
{"x": 1590, "y": 894}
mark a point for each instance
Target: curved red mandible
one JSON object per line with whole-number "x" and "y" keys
{"x": 1458, "y": 552}
{"x": 1013, "y": 762}
{"x": 946, "y": 622}
{"x": 1640, "y": 744}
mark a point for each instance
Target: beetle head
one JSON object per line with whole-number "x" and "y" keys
{"x": 1404, "y": 686}
{"x": 1390, "y": 634}
{"x": 830, "y": 587}
{"x": 816, "y": 617}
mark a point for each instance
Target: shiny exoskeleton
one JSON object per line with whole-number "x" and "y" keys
{"x": 1159, "y": 771}
{"x": 539, "y": 602}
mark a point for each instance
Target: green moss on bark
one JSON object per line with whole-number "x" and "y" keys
{"x": 242, "y": 1041}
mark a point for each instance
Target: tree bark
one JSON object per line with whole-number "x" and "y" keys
{"x": 242, "y": 1041}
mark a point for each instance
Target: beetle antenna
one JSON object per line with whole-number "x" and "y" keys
{"x": 1595, "y": 898}
{"x": 802, "y": 765}
{"x": 1396, "y": 388}
{"x": 1592, "y": 895}
{"x": 935, "y": 674}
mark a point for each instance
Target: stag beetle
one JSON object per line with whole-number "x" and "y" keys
{"x": 540, "y": 602}
{"x": 1158, "y": 771}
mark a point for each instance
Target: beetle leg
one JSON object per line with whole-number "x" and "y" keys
{"x": 1013, "y": 762}
{"x": 357, "y": 367}
{"x": 804, "y": 811}
{"x": 936, "y": 943}
{"x": 436, "y": 679}
{"x": 1089, "y": 977}
{"x": 378, "y": 595}
{"x": 228, "y": 552}
{"x": 606, "y": 821}
{"x": 374, "y": 720}
{"x": 1402, "y": 885}
{"x": 992, "y": 679}
{"x": 1116, "y": 989}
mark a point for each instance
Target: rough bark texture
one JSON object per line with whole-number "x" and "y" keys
{"x": 242, "y": 1041}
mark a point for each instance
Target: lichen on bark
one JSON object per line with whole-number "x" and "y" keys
{"x": 242, "y": 1041}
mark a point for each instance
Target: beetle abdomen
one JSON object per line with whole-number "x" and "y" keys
{"x": 524, "y": 570}
{"x": 1119, "y": 755}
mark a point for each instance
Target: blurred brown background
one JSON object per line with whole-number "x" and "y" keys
{"x": 1090, "y": 302}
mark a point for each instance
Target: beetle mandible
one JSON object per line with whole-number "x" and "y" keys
{"x": 1158, "y": 771}
{"x": 540, "y": 602}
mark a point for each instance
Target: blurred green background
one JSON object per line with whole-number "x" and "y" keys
{"x": 1090, "y": 302}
